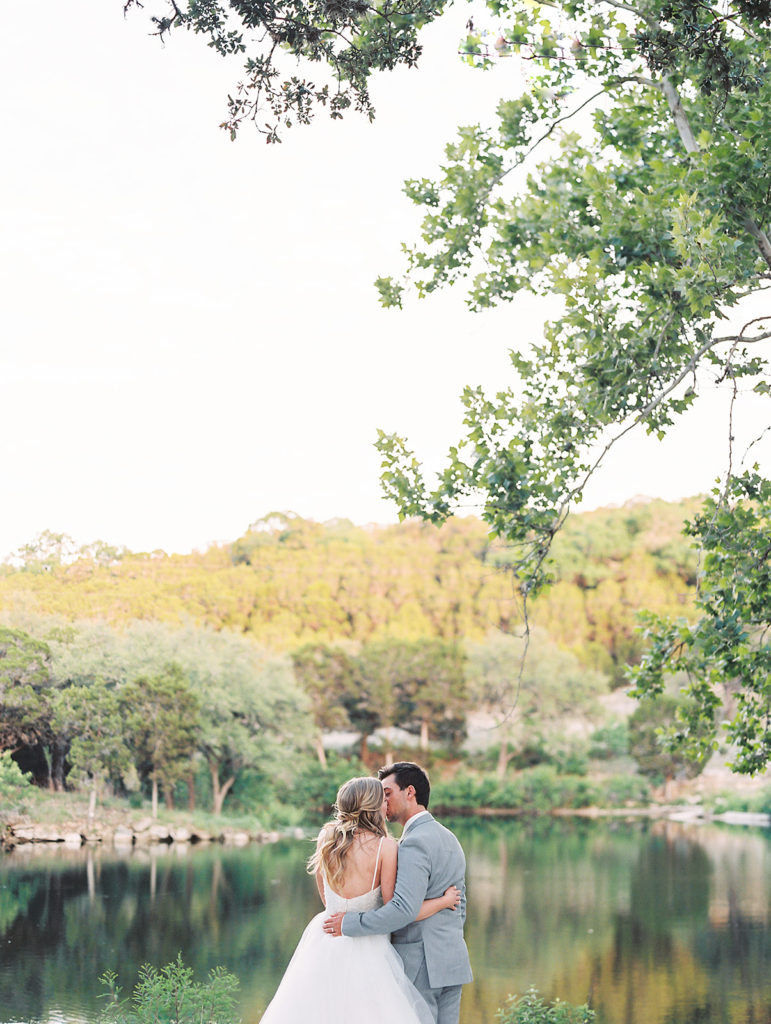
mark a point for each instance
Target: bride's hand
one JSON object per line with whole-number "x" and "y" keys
{"x": 451, "y": 897}
{"x": 333, "y": 925}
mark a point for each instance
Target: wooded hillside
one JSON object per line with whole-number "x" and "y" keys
{"x": 289, "y": 581}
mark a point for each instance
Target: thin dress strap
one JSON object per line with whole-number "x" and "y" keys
{"x": 377, "y": 861}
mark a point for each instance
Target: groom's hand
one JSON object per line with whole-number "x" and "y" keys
{"x": 333, "y": 925}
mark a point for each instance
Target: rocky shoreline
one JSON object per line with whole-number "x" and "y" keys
{"x": 145, "y": 832}
{"x": 149, "y": 832}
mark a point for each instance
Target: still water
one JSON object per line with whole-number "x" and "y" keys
{"x": 652, "y": 923}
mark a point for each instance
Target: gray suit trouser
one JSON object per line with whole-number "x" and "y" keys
{"x": 444, "y": 1003}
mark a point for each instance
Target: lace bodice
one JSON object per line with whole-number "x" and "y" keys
{"x": 337, "y": 903}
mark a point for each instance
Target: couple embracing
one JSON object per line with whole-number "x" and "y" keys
{"x": 389, "y": 948}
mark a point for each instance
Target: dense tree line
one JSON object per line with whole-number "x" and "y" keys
{"x": 145, "y": 705}
{"x": 288, "y": 582}
{"x": 213, "y": 670}
{"x": 163, "y": 709}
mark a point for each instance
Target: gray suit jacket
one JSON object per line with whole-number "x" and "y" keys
{"x": 430, "y": 860}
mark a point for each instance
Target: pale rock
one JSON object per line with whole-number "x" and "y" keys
{"x": 123, "y": 836}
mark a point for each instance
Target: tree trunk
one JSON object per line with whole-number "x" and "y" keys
{"x": 155, "y": 797}
{"x": 424, "y": 735}
{"x": 389, "y": 755}
{"x": 691, "y": 145}
{"x": 168, "y": 794}
{"x": 222, "y": 792}
{"x": 505, "y": 755}
{"x": 59, "y": 751}
{"x": 503, "y": 760}
{"x": 92, "y": 804}
{"x": 679, "y": 116}
{"x": 363, "y": 749}
{"x": 190, "y": 792}
{"x": 320, "y": 752}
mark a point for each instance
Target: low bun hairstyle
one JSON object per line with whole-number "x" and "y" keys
{"x": 359, "y": 805}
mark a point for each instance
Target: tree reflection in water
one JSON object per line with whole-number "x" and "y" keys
{"x": 654, "y": 924}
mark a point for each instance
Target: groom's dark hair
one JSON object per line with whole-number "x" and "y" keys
{"x": 407, "y": 773}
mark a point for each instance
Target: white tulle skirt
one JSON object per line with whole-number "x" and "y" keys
{"x": 341, "y": 980}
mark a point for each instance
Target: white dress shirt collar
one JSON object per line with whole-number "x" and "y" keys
{"x": 412, "y": 820}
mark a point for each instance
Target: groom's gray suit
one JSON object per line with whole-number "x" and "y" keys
{"x": 433, "y": 950}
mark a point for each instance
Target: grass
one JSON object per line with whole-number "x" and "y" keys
{"x": 69, "y": 812}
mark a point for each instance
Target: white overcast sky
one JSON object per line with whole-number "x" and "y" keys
{"x": 189, "y": 334}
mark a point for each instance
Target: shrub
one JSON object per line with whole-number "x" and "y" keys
{"x": 171, "y": 996}
{"x": 609, "y": 741}
{"x": 536, "y": 790}
{"x": 758, "y": 802}
{"x": 531, "y": 1009}
{"x": 619, "y": 790}
{"x": 14, "y": 784}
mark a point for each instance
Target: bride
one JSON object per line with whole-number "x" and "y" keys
{"x": 341, "y": 980}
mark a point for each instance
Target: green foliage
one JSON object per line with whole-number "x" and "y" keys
{"x": 172, "y": 996}
{"x": 89, "y": 717}
{"x": 623, "y": 790}
{"x": 315, "y": 788}
{"x": 327, "y": 675}
{"x": 648, "y": 726}
{"x": 649, "y": 226}
{"x": 342, "y": 587}
{"x": 754, "y": 803}
{"x": 531, "y": 1008}
{"x": 13, "y": 781}
{"x": 535, "y": 790}
{"x": 346, "y": 41}
{"x": 531, "y": 689}
{"x": 609, "y": 741}
{"x": 419, "y": 685}
{"x": 24, "y": 689}
{"x": 161, "y": 714}
{"x": 728, "y": 644}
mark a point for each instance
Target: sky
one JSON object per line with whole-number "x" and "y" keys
{"x": 190, "y": 337}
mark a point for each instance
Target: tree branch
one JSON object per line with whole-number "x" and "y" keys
{"x": 761, "y": 238}
{"x": 678, "y": 113}
{"x": 687, "y": 138}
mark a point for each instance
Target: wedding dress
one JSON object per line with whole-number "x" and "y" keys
{"x": 341, "y": 980}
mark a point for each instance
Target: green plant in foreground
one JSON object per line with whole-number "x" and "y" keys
{"x": 532, "y": 1009}
{"x": 171, "y": 996}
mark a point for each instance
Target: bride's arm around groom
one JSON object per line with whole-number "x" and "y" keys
{"x": 430, "y": 860}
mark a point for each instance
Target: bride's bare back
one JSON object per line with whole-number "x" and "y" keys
{"x": 366, "y": 859}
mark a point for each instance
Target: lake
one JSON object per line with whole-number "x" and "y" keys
{"x": 653, "y": 923}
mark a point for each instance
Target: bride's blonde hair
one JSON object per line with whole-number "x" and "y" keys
{"x": 359, "y": 805}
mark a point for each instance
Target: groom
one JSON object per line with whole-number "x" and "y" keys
{"x": 430, "y": 860}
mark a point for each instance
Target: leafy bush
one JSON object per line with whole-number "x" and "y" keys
{"x": 758, "y": 802}
{"x": 535, "y": 790}
{"x": 531, "y": 1009}
{"x": 314, "y": 788}
{"x": 619, "y": 790}
{"x": 14, "y": 784}
{"x": 544, "y": 789}
{"x": 171, "y": 996}
{"x": 609, "y": 741}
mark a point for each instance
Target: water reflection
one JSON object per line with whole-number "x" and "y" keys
{"x": 663, "y": 924}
